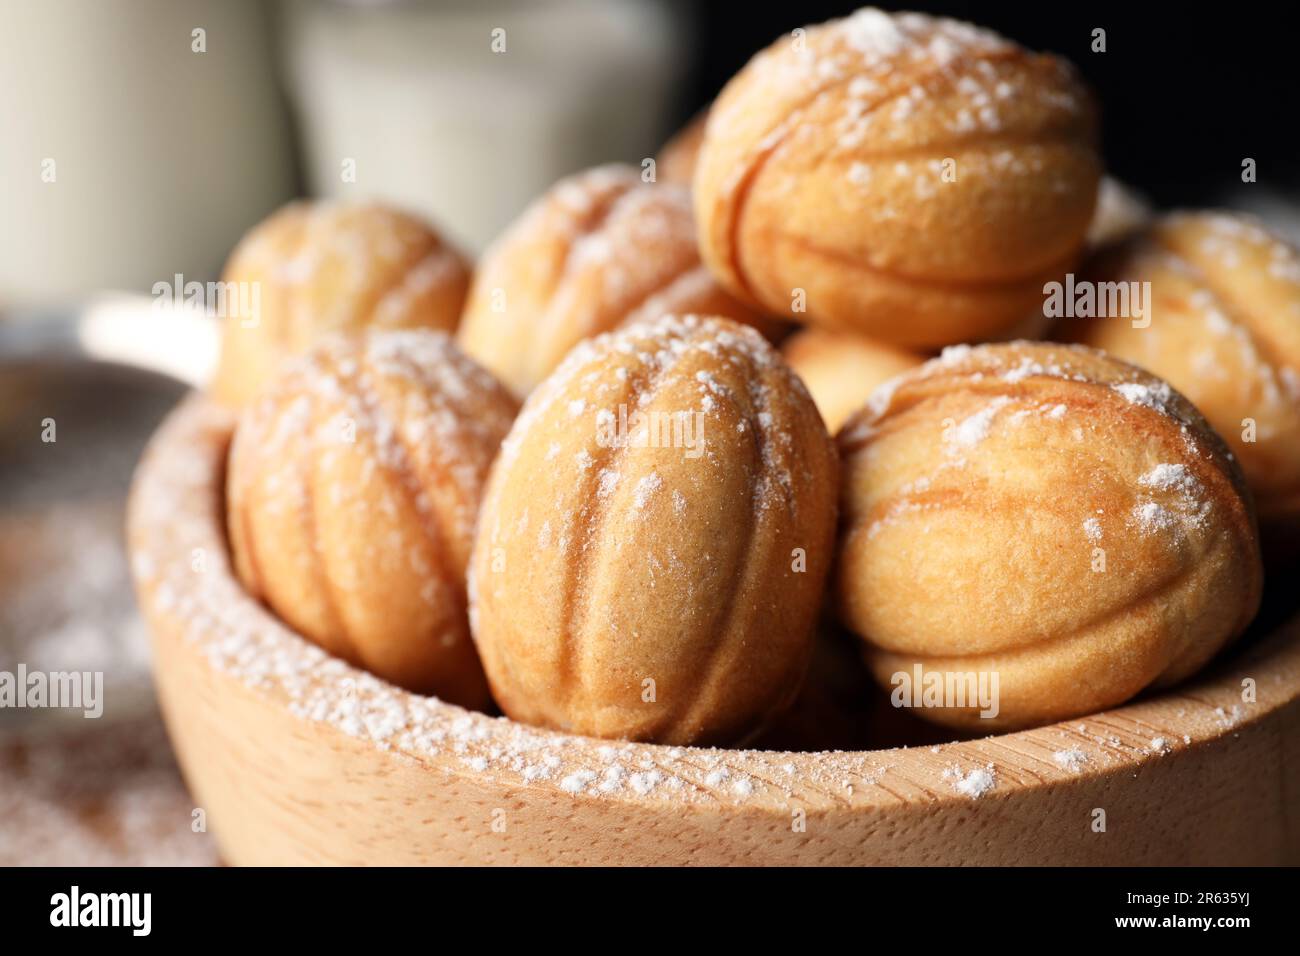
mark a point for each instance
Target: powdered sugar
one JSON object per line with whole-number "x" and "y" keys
{"x": 607, "y": 481}
{"x": 1152, "y": 517}
{"x": 1171, "y": 477}
{"x": 1181, "y": 503}
{"x": 1006, "y": 382}
{"x": 646, "y": 487}
{"x": 577, "y": 781}
{"x": 1071, "y": 759}
{"x": 973, "y": 783}
{"x": 361, "y": 425}
{"x": 880, "y": 67}
{"x": 972, "y": 430}
{"x": 873, "y": 33}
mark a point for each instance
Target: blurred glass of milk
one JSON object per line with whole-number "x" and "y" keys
{"x": 131, "y": 147}
{"x": 465, "y": 110}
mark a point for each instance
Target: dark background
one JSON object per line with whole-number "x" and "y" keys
{"x": 1186, "y": 90}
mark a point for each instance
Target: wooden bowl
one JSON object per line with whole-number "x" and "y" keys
{"x": 298, "y": 758}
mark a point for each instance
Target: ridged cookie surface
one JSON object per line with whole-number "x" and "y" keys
{"x": 326, "y": 267}
{"x": 655, "y": 538}
{"x": 1223, "y": 327}
{"x": 911, "y": 178}
{"x": 354, "y": 484}
{"x": 1048, "y": 514}
{"x": 599, "y": 250}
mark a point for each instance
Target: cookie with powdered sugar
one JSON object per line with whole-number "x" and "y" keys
{"x": 910, "y": 178}
{"x": 353, "y": 488}
{"x": 322, "y": 267}
{"x": 1045, "y": 514}
{"x": 654, "y": 542}
{"x": 1222, "y": 325}
{"x": 600, "y": 249}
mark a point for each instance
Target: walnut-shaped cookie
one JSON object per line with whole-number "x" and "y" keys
{"x": 1223, "y": 327}
{"x": 913, "y": 179}
{"x": 599, "y": 250}
{"x": 314, "y": 268}
{"x": 1043, "y": 523}
{"x": 654, "y": 541}
{"x": 353, "y": 487}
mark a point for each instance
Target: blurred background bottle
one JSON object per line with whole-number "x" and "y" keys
{"x": 465, "y": 110}
{"x": 141, "y": 138}
{"x": 125, "y": 155}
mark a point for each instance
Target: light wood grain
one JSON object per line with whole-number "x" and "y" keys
{"x": 284, "y": 783}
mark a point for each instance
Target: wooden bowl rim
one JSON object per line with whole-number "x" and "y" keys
{"x": 186, "y": 586}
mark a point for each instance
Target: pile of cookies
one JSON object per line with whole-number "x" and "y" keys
{"x": 620, "y": 476}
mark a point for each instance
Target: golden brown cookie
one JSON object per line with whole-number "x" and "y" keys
{"x": 320, "y": 267}
{"x": 842, "y": 369}
{"x": 1223, "y": 327}
{"x": 1046, "y": 517}
{"x": 600, "y": 249}
{"x": 353, "y": 488}
{"x": 655, "y": 537}
{"x": 909, "y": 178}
